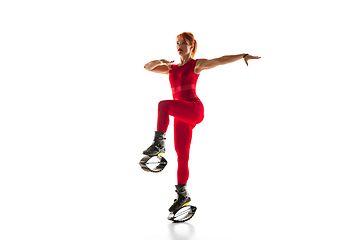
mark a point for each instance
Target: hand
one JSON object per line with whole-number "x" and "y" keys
{"x": 167, "y": 63}
{"x": 248, "y": 57}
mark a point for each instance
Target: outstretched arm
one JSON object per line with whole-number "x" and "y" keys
{"x": 203, "y": 64}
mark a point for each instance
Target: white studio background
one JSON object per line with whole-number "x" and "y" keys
{"x": 277, "y": 156}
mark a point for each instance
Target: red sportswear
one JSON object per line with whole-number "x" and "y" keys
{"x": 187, "y": 110}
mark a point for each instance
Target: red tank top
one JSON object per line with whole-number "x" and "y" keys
{"x": 183, "y": 81}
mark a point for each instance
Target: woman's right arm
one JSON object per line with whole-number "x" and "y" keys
{"x": 159, "y": 66}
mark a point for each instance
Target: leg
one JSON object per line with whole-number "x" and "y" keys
{"x": 187, "y": 112}
{"x": 183, "y": 136}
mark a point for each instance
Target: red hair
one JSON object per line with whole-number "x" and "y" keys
{"x": 188, "y": 37}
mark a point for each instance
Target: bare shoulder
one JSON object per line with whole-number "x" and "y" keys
{"x": 198, "y": 66}
{"x": 200, "y": 61}
{"x": 203, "y": 64}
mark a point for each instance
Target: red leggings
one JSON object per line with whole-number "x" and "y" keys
{"x": 186, "y": 115}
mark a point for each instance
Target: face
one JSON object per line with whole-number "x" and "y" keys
{"x": 182, "y": 47}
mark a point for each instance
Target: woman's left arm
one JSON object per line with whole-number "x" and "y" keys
{"x": 203, "y": 64}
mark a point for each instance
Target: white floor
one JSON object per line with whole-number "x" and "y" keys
{"x": 112, "y": 198}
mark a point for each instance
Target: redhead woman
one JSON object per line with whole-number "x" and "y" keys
{"x": 186, "y": 107}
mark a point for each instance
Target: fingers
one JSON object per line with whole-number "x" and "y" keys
{"x": 169, "y": 65}
{"x": 248, "y": 57}
{"x": 166, "y": 61}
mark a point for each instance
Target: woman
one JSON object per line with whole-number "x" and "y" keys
{"x": 186, "y": 108}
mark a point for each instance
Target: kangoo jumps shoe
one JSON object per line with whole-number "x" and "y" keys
{"x": 158, "y": 145}
{"x": 182, "y": 198}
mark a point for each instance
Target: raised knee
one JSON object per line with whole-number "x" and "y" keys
{"x": 162, "y": 104}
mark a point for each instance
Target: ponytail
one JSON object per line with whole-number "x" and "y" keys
{"x": 194, "y": 49}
